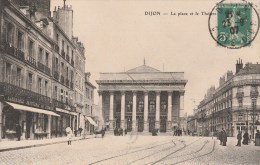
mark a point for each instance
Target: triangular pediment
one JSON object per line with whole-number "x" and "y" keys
{"x": 143, "y": 69}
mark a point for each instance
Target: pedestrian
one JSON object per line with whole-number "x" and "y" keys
{"x": 239, "y": 138}
{"x": 80, "y": 130}
{"x": 69, "y": 135}
{"x": 18, "y": 130}
{"x": 125, "y": 131}
{"x": 257, "y": 138}
{"x": 220, "y": 137}
{"x": 245, "y": 138}
{"x": 224, "y": 137}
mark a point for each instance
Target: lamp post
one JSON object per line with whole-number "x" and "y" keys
{"x": 254, "y": 104}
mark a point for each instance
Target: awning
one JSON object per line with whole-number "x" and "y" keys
{"x": 31, "y": 109}
{"x": 66, "y": 111}
{"x": 92, "y": 121}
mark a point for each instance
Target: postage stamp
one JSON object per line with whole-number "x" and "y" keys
{"x": 235, "y": 24}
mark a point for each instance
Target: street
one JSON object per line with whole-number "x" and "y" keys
{"x": 137, "y": 149}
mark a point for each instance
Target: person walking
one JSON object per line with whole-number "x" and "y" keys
{"x": 69, "y": 135}
{"x": 245, "y": 138}
{"x": 18, "y": 130}
{"x": 224, "y": 137}
{"x": 257, "y": 138}
{"x": 220, "y": 137}
{"x": 239, "y": 138}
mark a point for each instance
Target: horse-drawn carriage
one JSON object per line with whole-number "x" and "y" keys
{"x": 100, "y": 132}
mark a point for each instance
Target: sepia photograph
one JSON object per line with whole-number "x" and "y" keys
{"x": 129, "y": 82}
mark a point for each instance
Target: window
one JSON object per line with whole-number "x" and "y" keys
{"x": 240, "y": 103}
{"x": 46, "y": 87}
{"x": 91, "y": 95}
{"x": 129, "y": 106}
{"x": 56, "y": 92}
{"x": 19, "y": 77}
{"x": 163, "y": 106}
{"x": 62, "y": 46}
{"x": 39, "y": 85}
{"x": 67, "y": 98}
{"x": 10, "y": 34}
{"x": 8, "y": 73}
{"x": 141, "y": 106}
{"x": 29, "y": 81}
{"x": 41, "y": 123}
{"x": 57, "y": 38}
{"x": 20, "y": 40}
{"x": 240, "y": 89}
{"x": 152, "y": 106}
{"x": 61, "y": 95}
{"x": 87, "y": 93}
{"x": 40, "y": 57}
{"x": 47, "y": 59}
{"x": 31, "y": 48}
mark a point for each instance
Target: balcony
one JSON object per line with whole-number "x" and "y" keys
{"x": 240, "y": 94}
{"x": 254, "y": 94}
{"x": 62, "y": 79}
{"x": 62, "y": 54}
{"x": 56, "y": 75}
{"x": 43, "y": 68}
{"x": 11, "y": 50}
{"x": 67, "y": 83}
{"x": 62, "y": 105}
{"x": 31, "y": 61}
{"x": 23, "y": 96}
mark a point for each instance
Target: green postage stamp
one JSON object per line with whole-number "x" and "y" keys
{"x": 234, "y": 25}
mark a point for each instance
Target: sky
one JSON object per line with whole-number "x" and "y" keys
{"x": 118, "y": 35}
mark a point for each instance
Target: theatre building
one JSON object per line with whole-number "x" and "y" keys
{"x": 142, "y": 99}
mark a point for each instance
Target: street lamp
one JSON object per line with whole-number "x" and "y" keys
{"x": 254, "y": 104}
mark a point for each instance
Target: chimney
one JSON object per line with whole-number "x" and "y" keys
{"x": 239, "y": 65}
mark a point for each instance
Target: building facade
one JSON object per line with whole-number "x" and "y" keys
{"x": 141, "y": 99}
{"x": 90, "y": 122}
{"x": 234, "y": 105}
{"x": 38, "y": 71}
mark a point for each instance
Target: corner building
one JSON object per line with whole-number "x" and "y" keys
{"x": 142, "y": 99}
{"x": 40, "y": 62}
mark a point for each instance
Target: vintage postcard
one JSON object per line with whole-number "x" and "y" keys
{"x": 129, "y": 82}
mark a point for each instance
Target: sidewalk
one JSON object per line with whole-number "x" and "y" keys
{"x": 15, "y": 145}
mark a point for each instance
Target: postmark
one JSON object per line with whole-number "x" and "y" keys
{"x": 235, "y": 24}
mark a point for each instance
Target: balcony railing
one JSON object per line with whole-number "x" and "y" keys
{"x": 67, "y": 83}
{"x": 11, "y": 50}
{"x": 254, "y": 94}
{"x": 31, "y": 61}
{"x": 62, "y": 79}
{"x": 43, "y": 68}
{"x": 56, "y": 75}
{"x": 62, "y": 105}
{"x": 23, "y": 96}
{"x": 240, "y": 94}
{"x": 63, "y": 54}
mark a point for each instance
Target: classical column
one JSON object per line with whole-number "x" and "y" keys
{"x": 181, "y": 114}
{"x": 123, "y": 109}
{"x": 100, "y": 105}
{"x": 1, "y": 121}
{"x": 169, "y": 113}
{"x": 49, "y": 127}
{"x": 134, "y": 112}
{"x": 146, "y": 111}
{"x": 157, "y": 113}
{"x": 111, "y": 111}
